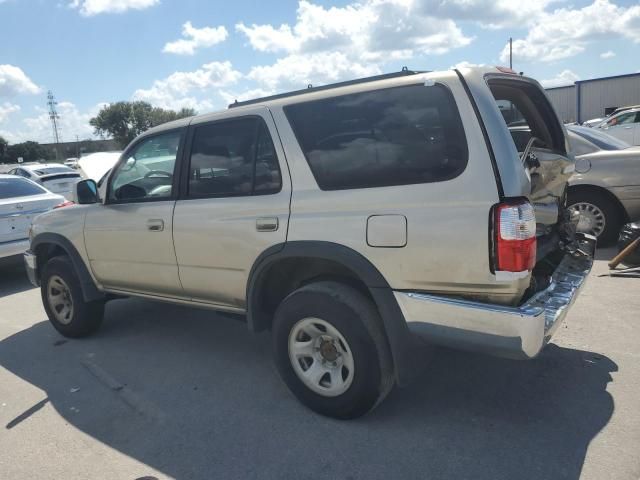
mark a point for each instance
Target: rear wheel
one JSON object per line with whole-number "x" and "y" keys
{"x": 331, "y": 351}
{"x": 64, "y": 302}
{"x": 599, "y": 215}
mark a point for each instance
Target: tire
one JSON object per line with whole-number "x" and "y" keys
{"x": 64, "y": 302}
{"x": 610, "y": 212}
{"x": 352, "y": 331}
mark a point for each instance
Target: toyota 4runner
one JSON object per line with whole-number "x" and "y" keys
{"x": 357, "y": 222}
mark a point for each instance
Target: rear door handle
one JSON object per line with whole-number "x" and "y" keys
{"x": 155, "y": 225}
{"x": 267, "y": 224}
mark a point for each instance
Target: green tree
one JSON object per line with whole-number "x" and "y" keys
{"x": 29, "y": 151}
{"x": 124, "y": 121}
{"x": 3, "y": 150}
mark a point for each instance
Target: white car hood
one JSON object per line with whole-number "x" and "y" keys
{"x": 95, "y": 165}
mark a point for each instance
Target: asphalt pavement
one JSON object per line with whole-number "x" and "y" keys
{"x": 166, "y": 391}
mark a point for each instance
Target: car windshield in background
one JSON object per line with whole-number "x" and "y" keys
{"x": 18, "y": 187}
{"x": 600, "y": 139}
{"x": 53, "y": 170}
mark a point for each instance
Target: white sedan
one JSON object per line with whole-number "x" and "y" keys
{"x": 21, "y": 200}
{"x": 55, "y": 177}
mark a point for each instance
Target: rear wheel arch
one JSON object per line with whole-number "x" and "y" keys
{"x": 49, "y": 245}
{"x": 283, "y": 268}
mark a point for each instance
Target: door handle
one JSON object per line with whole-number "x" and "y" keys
{"x": 627, "y": 128}
{"x": 267, "y": 224}
{"x": 155, "y": 225}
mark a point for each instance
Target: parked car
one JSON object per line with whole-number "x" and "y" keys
{"x": 359, "y": 222}
{"x": 55, "y": 177}
{"x": 594, "y": 122}
{"x": 624, "y": 125}
{"x": 20, "y": 201}
{"x": 605, "y": 188}
{"x": 71, "y": 162}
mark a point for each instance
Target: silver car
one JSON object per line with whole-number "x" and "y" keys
{"x": 605, "y": 188}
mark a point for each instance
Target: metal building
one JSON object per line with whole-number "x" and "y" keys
{"x": 594, "y": 98}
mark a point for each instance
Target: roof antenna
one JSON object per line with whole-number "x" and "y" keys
{"x": 309, "y": 86}
{"x": 405, "y": 69}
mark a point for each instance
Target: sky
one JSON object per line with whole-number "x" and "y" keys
{"x": 204, "y": 54}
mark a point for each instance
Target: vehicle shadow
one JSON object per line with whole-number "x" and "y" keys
{"x": 13, "y": 278}
{"x": 195, "y": 396}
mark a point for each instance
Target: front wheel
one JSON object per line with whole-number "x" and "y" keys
{"x": 331, "y": 351}
{"x": 64, "y": 302}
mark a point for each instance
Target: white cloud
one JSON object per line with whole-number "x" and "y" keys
{"x": 330, "y": 44}
{"x": 7, "y": 109}
{"x": 196, "y": 38}
{"x": 183, "y": 89}
{"x": 297, "y": 71}
{"x": 488, "y": 13}
{"x": 564, "y": 78}
{"x": 38, "y": 127}
{"x": 89, "y": 8}
{"x": 14, "y": 81}
{"x": 465, "y": 64}
{"x": 374, "y": 29}
{"x": 608, "y": 54}
{"x": 565, "y": 32}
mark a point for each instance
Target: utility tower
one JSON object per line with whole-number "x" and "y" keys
{"x": 53, "y": 116}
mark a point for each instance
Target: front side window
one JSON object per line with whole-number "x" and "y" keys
{"x": 233, "y": 158}
{"x": 622, "y": 119}
{"x": 148, "y": 170}
{"x": 395, "y": 136}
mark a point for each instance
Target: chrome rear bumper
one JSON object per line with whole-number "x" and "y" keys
{"x": 515, "y": 332}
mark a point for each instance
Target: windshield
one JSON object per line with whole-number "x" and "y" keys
{"x": 52, "y": 170}
{"x": 600, "y": 139}
{"x": 18, "y": 187}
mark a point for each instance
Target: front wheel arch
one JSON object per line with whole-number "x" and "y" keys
{"x": 50, "y": 245}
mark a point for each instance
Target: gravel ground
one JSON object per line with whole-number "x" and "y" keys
{"x": 168, "y": 392}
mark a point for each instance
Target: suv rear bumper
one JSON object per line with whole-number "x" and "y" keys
{"x": 515, "y": 332}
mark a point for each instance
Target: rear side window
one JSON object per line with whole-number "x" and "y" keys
{"x": 18, "y": 187}
{"x": 395, "y": 136}
{"x": 233, "y": 158}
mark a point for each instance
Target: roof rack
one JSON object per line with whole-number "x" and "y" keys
{"x": 310, "y": 88}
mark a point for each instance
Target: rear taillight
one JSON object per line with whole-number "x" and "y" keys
{"x": 68, "y": 203}
{"x": 514, "y": 237}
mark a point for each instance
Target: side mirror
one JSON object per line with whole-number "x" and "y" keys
{"x": 86, "y": 192}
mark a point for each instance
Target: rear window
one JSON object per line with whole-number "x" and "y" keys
{"x": 53, "y": 170}
{"x": 395, "y": 136}
{"x": 18, "y": 187}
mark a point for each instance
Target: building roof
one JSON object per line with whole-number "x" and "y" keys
{"x": 612, "y": 77}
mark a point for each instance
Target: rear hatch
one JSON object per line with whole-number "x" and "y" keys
{"x": 61, "y": 183}
{"x": 530, "y": 229}
{"x": 542, "y": 153}
{"x": 540, "y": 140}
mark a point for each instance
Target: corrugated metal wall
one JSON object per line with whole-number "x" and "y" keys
{"x": 564, "y": 101}
{"x": 596, "y": 95}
